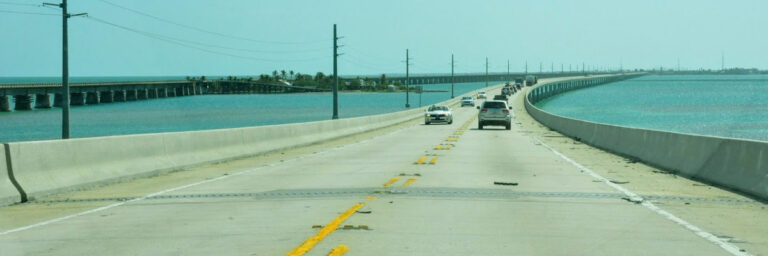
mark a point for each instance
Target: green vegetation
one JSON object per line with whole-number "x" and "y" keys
{"x": 319, "y": 80}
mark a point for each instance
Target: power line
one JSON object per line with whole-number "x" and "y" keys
{"x": 19, "y": 4}
{"x": 30, "y": 13}
{"x": 190, "y": 44}
{"x": 204, "y": 30}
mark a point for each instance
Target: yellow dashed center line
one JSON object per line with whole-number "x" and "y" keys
{"x": 438, "y": 147}
{"x": 409, "y": 182}
{"x": 369, "y": 198}
{"x": 434, "y": 160}
{"x": 392, "y": 180}
{"x": 327, "y": 230}
{"x": 339, "y": 250}
{"x": 421, "y": 160}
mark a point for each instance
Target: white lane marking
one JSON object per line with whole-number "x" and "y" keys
{"x": 106, "y": 207}
{"x": 730, "y": 248}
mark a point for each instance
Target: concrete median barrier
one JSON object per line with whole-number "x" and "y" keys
{"x": 736, "y": 164}
{"x": 54, "y": 166}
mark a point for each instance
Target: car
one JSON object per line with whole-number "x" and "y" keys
{"x": 494, "y": 112}
{"x": 506, "y": 90}
{"x": 467, "y": 101}
{"x": 481, "y": 95}
{"x": 501, "y": 97}
{"x": 531, "y": 80}
{"x": 438, "y": 114}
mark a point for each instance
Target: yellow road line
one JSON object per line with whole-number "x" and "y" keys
{"x": 327, "y": 230}
{"x": 421, "y": 160}
{"x": 448, "y": 147}
{"x": 369, "y": 198}
{"x": 438, "y": 147}
{"x": 392, "y": 180}
{"x": 434, "y": 160}
{"x": 409, "y": 181}
{"x": 339, "y": 250}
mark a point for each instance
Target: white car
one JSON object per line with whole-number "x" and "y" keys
{"x": 438, "y": 114}
{"x": 481, "y": 95}
{"x": 467, "y": 101}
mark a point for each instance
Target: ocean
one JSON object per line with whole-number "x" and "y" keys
{"x": 208, "y": 112}
{"x": 717, "y": 105}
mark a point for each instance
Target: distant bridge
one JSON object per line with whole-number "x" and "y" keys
{"x": 31, "y": 96}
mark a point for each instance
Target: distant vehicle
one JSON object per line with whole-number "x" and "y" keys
{"x": 519, "y": 80}
{"x": 494, "y": 112}
{"x": 481, "y": 95}
{"x": 506, "y": 90}
{"x": 531, "y": 80}
{"x": 467, "y": 101}
{"x": 501, "y": 97}
{"x": 438, "y": 114}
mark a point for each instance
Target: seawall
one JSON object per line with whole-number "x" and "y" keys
{"x": 736, "y": 164}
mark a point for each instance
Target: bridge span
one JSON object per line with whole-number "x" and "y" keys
{"x": 405, "y": 189}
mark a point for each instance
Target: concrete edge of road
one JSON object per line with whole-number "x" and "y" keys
{"x": 736, "y": 164}
{"x": 54, "y": 166}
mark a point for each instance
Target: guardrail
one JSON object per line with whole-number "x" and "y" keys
{"x": 736, "y": 164}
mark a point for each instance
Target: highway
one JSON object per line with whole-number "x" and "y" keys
{"x": 411, "y": 189}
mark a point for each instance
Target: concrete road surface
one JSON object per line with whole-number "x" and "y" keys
{"x": 368, "y": 195}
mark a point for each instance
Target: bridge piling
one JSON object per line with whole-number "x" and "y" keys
{"x": 141, "y": 94}
{"x": 92, "y": 98}
{"x": 152, "y": 93}
{"x": 106, "y": 97}
{"x": 77, "y": 99}
{"x": 162, "y": 93}
{"x": 23, "y": 102}
{"x": 5, "y": 103}
{"x": 43, "y": 100}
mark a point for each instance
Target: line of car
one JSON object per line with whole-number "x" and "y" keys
{"x": 491, "y": 112}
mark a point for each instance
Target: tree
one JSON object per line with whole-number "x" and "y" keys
{"x": 291, "y": 72}
{"x": 383, "y": 81}
{"x": 354, "y": 84}
{"x": 274, "y": 74}
{"x": 282, "y": 72}
{"x": 319, "y": 77}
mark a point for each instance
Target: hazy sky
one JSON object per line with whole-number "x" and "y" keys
{"x": 247, "y": 37}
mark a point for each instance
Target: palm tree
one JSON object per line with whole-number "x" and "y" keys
{"x": 274, "y": 74}
{"x": 291, "y": 72}
{"x": 282, "y": 72}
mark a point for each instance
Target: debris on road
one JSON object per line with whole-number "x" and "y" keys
{"x": 505, "y": 183}
{"x": 618, "y": 182}
{"x": 363, "y": 212}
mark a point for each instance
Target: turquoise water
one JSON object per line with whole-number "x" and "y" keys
{"x": 718, "y": 105}
{"x": 209, "y": 112}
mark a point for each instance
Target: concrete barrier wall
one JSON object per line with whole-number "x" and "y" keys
{"x": 54, "y": 166}
{"x": 736, "y": 164}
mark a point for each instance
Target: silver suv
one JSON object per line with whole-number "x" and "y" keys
{"x": 494, "y": 112}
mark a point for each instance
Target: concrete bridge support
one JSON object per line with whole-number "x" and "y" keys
{"x": 43, "y": 101}
{"x": 141, "y": 94}
{"x": 170, "y": 92}
{"x": 130, "y": 95}
{"x": 152, "y": 93}
{"x": 106, "y": 97}
{"x": 162, "y": 93}
{"x": 5, "y": 103}
{"x": 119, "y": 95}
{"x": 92, "y": 98}
{"x": 23, "y": 102}
{"x": 77, "y": 99}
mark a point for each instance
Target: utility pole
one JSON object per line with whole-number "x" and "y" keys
{"x": 562, "y": 68}
{"x": 541, "y": 69}
{"x": 407, "y": 79}
{"x": 678, "y": 64}
{"x": 335, "y": 75}
{"x": 507, "y": 71}
{"x": 452, "y": 81}
{"x": 722, "y": 61}
{"x": 526, "y": 67}
{"x": 583, "y": 68}
{"x": 486, "y": 71}
{"x": 65, "y": 67}
{"x": 552, "y": 67}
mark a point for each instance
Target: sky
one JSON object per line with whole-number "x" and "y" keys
{"x": 247, "y": 37}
